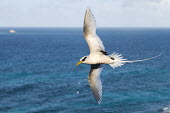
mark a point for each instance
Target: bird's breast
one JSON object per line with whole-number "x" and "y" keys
{"x": 98, "y": 59}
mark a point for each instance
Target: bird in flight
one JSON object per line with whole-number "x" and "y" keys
{"x": 98, "y": 56}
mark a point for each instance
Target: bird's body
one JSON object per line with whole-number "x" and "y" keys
{"x": 98, "y": 59}
{"x": 98, "y": 56}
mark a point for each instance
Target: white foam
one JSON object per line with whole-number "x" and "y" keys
{"x": 166, "y": 109}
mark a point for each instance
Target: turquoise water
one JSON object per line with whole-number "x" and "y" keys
{"x": 38, "y": 72}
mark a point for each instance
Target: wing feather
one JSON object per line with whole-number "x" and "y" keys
{"x": 89, "y": 23}
{"x": 95, "y": 81}
{"x": 89, "y": 29}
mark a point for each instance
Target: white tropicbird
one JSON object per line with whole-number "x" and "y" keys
{"x": 98, "y": 56}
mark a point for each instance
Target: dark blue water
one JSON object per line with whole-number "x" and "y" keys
{"x": 38, "y": 72}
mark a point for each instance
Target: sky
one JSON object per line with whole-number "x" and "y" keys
{"x": 70, "y": 13}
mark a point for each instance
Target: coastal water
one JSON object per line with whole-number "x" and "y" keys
{"x": 38, "y": 72}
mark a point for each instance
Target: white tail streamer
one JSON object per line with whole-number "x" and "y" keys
{"x": 119, "y": 61}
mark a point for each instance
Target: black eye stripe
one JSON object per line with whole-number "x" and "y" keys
{"x": 84, "y": 58}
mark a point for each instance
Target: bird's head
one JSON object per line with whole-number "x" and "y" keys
{"x": 82, "y": 60}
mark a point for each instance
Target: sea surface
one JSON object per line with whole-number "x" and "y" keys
{"x": 38, "y": 72}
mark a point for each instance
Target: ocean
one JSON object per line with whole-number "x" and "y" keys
{"x": 38, "y": 72}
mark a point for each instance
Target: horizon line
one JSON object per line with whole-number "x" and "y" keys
{"x": 72, "y": 27}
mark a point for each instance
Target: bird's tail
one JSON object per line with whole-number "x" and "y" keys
{"x": 119, "y": 60}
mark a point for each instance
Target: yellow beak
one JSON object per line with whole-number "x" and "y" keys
{"x": 79, "y": 63}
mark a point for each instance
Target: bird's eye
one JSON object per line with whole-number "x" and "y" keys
{"x": 84, "y": 58}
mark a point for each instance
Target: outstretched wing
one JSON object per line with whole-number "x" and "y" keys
{"x": 95, "y": 82}
{"x": 89, "y": 29}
